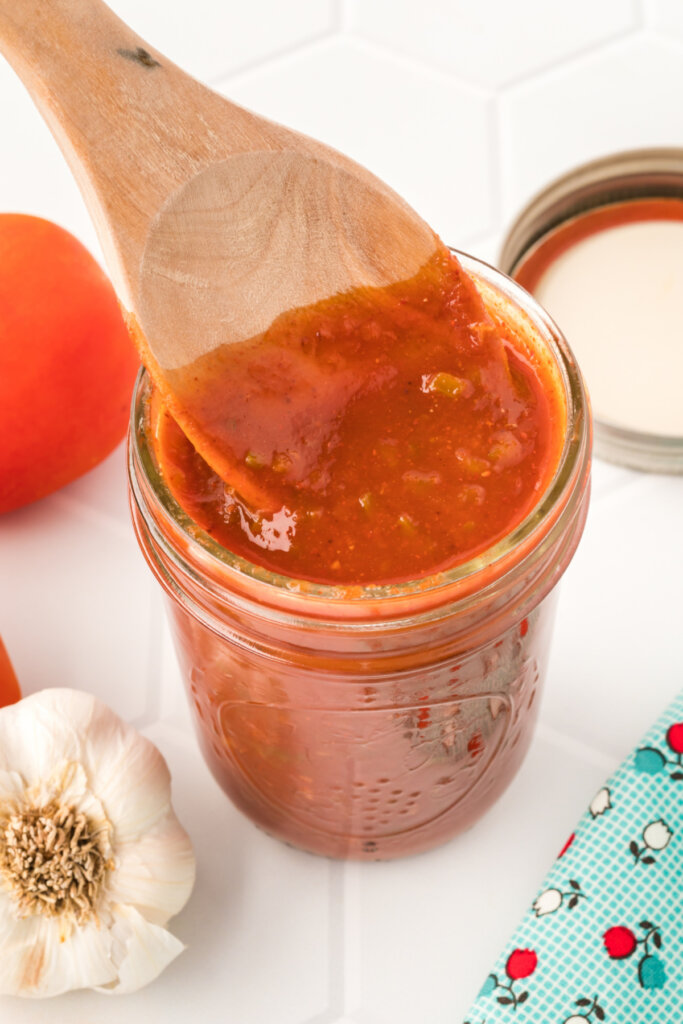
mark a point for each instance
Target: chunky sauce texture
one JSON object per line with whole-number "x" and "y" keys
{"x": 391, "y": 433}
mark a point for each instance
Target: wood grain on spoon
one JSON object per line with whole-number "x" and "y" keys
{"x": 213, "y": 221}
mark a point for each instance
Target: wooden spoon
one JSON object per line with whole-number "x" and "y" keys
{"x": 213, "y": 221}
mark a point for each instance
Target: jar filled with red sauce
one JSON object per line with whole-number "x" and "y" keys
{"x": 372, "y": 720}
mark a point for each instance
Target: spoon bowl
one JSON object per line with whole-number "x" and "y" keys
{"x": 213, "y": 221}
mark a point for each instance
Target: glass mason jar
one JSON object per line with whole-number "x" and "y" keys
{"x": 370, "y": 722}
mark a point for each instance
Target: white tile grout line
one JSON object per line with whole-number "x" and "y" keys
{"x": 337, "y": 952}
{"x": 351, "y": 936}
{"x": 350, "y": 35}
{"x": 289, "y": 56}
{"x": 342, "y": 15}
{"x": 93, "y": 515}
{"x": 646, "y": 13}
{"x": 496, "y": 161}
{"x": 615, "y": 42}
{"x": 652, "y": 34}
{"x": 326, "y": 1016}
{"x": 272, "y": 61}
{"x": 335, "y": 949}
{"x": 416, "y": 65}
{"x": 153, "y": 681}
{"x": 343, "y": 944}
{"x": 607, "y": 763}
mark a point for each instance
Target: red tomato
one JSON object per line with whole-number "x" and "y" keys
{"x": 67, "y": 365}
{"x": 9, "y": 686}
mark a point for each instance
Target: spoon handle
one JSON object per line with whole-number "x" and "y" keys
{"x": 132, "y": 126}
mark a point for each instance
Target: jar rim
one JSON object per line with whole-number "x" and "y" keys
{"x": 571, "y": 470}
{"x": 619, "y": 177}
{"x": 611, "y": 181}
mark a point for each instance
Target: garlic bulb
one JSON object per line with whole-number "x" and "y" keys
{"x": 93, "y": 861}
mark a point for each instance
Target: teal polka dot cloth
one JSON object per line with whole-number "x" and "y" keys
{"x": 603, "y": 939}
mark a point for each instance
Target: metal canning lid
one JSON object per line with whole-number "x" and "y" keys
{"x": 615, "y": 179}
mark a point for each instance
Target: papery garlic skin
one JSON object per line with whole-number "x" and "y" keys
{"x": 64, "y": 748}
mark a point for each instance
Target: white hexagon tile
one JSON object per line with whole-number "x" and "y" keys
{"x": 489, "y": 42}
{"x": 612, "y": 99}
{"x": 209, "y": 38}
{"x": 34, "y": 177}
{"x": 665, "y": 16}
{"x": 373, "y": 107}
{"x": 466, "y": 109}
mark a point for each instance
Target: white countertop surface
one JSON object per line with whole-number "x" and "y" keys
{"x": 276, "y": 936}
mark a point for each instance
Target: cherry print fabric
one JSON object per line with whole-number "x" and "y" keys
{"x": 603, "y": 938}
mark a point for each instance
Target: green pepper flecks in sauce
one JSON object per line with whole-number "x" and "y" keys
{"x": 397, "y": 432}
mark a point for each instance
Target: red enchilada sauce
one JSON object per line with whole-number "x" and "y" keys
{"x": 396, "y": 432}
